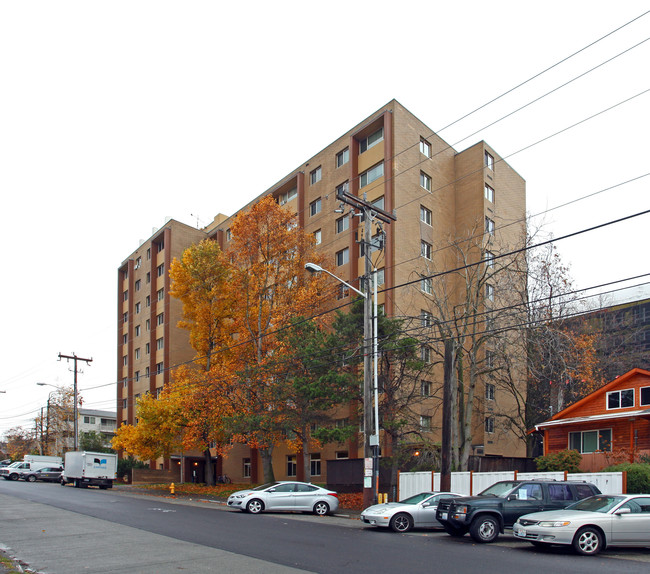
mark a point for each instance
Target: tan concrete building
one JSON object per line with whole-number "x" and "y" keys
{"x": 393, "y": 160}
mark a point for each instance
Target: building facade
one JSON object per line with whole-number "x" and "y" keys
{"x": 394, "y": 161}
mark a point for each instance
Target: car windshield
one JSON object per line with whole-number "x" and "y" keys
{"x": 501, "y": 489}
{"x": 417, "y": 498}
{"x": 596, "y": 503}
{"x": 265, "y": 486}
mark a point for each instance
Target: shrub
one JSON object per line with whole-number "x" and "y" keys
{"x": 638, "y": 476}
{"x": 568, "y": 460}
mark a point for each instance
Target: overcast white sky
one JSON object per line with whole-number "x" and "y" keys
{"x": 116, "y": 115}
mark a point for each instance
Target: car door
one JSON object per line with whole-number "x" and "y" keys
{"x": 634, "y": 527}
{"x": 425, "y": 515}
{"x": 280, "y": 497}
{"x": 526, "y": 498}
{"x": 305, "y": 496}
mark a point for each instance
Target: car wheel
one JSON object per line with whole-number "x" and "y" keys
{"x": 13, "y": 476}
{"x": 30, "y": 478}
{"x": 401, "y": 522}
{"x": 255, "y": 506}
{"x": 588, "y": 541}
{"x": 321, "y": 508}
{"x": 484, "y": 529}
{"x": 457, "y": 532}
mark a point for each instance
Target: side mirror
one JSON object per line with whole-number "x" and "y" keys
{"x": 271, "y": 490}
{"x": 426, "y": 504}
{"x": 623, "y": 511}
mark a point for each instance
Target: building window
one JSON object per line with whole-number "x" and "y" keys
{"x": 425, "y": 422}
{"x": 620, "y": 399}
{"x": 291, "y": 465}
{"x": 161, "y": 294}
{"x": 380, "y": 276}
{"x": 125, "y": 296}
{"x": 125, "y": 339}
{"x": 147, "y": 325}
{"x": 426, "y": 318}
{"x": 89, "y": 420}
{"x": 125, "y": 317}
{"x": 425, "y": 215}
{"x": 246, "y": 467}
{"x": 489, "y": 359}
{"x": 489, "y": 226}
{"x": 160, "y": 343}
{"x": 160, "y": 270}
{"x": 147, "y": 301}
{"x": 148, "y": 253}
{"x": 372, "y": 140}
{"x": 425, "y": 181}
{"x": 489, "y": 424}
{"x": 228, "y": 234}
{"x": 342, "y": 455}
{"x": 136, "y": 376}
{"x": 342, "y": 292}
{"x": 146, "y": 372}
{"x": 137, "y": 353}
{"x": 147, "y": 349}
{"x": 315, "y": 207}
{"x": 282, "y": 200}
{"x": 148, "y": 278}
{"x": 125, "y": 360}
{"x": 368, "y": 176}
{"x": 489, "y": 260}
{"x": 342, "y": 224}
{"x": 318, "y": 237}
{"x": 137, "y": 330}
{"x": 138, "y": 307}
{"x": 314, "y": 465}
{"x": 489, "y": 193}
{"x": 426, "y": 284}
{"x": 316, "y": 175}
{"x": 123, "y": 403}
{"x": 343, "y": 157}
{"x": 343, "y": 256}
{"x": 138, "y": 262}
{"x": 425, "y": 353}
{"x": 161, "y": 246}
{"x": 645, "y": 396}
{"x": 425, "y": 388}
{"x": 426, "y": 250}
{"x": 160, "y": 319}
{"x": 159, "y": 368}
{"x": 489, "y": 161}
{"x": 591, "y": 441}
{"x": 489, "y": 391}
{"x": 138, "y": 284}
{"x": 489, "y": 292}
{"x": 425, "y": 147}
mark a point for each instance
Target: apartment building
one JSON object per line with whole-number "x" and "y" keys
{"x": 394, "y": 161}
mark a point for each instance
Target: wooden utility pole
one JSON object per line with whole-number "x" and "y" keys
{"x": 76, "y": 411}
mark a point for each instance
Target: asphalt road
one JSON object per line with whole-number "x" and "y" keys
{"x": 66, "y": 530}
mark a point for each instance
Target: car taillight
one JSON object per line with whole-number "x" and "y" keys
{"x": 334, "y": 494}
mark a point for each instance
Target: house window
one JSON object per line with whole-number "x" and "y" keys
{"x": 89, "y": 420}
{"x": 315, "y": 207}
{"x": 228, "y": 234}
{"x": 426, "y": 318}
{"x": 426, "y": 250}
{"x": 489, "y": 391}
{"x": 425, "y": 181}
{"x": 426, "y": 284}
{"x": 489, "y": 292}
{"x": 317, "y": 237}
{"x": 343, "y": 256}
{"x": 246, "y": 467}
{"x": 591, "y": 441}
{"x": 489, "y": 161}
{"x": 372, "y": 140}
{"x": 314, "y": 465}
{"x": 343, "y": 157}
{"x": 160, "y": 270}
{"x": 425, "y": 215}
{"x": 291, "y": 465}
{"x": 645, "y": 396}
{"x": 425, "y": 147}
{"x": 342, "y": 224}
{"x": 489, "y": 226}
{"x": 489, "y": 193}
{"x": 316, "y": 175}
{"x": 620, "y": 399}
{"x": 367, "y": 177}
{"x": 425, "y": 422}
{"x": 489, "y": 424}
{"x": 425, "y": 388}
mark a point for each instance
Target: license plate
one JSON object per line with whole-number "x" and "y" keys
{"x": 443, "y": 515}
{"x": 519, "y": 531}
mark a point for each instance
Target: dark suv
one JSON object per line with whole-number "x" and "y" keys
{"x": 499, "y": 506}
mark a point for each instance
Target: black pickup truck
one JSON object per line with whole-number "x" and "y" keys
{"x": 499, "y": 506}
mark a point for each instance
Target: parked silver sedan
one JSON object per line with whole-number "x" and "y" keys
{"x": 298, "y": 496}
{"x": 417, "y": 511}
{"x": 590, "y": 524}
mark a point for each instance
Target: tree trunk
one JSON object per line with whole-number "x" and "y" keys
{"x": 209, "y": 470}
{"x": 266, "y": 454}
{"x": 306, "y": 461}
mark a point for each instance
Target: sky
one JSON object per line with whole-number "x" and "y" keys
{"x": 115, "y": 116}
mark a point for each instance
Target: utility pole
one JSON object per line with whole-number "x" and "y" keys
{"x": 76, "y": 415}
{"x": 371, "y": 433}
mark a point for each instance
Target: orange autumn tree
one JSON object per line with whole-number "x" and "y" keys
{"x": 200, "y": 281}
{"x": 268, "y": 287}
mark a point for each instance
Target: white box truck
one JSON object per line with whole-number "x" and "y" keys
{"x": 83, "y": 469}
{"x": 30, "y": 463}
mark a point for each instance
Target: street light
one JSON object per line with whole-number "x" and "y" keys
{"x": 369, "y": 336}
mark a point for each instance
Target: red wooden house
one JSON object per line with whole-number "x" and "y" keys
{"x": 608, "y": 426}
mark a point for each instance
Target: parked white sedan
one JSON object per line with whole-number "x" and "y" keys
{"x": 417, "y": 511}
{"x": 298, "y": 496}
{"x": 590, "y": 524}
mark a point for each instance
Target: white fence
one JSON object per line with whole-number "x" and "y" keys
{"x": 471, "y": 483}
